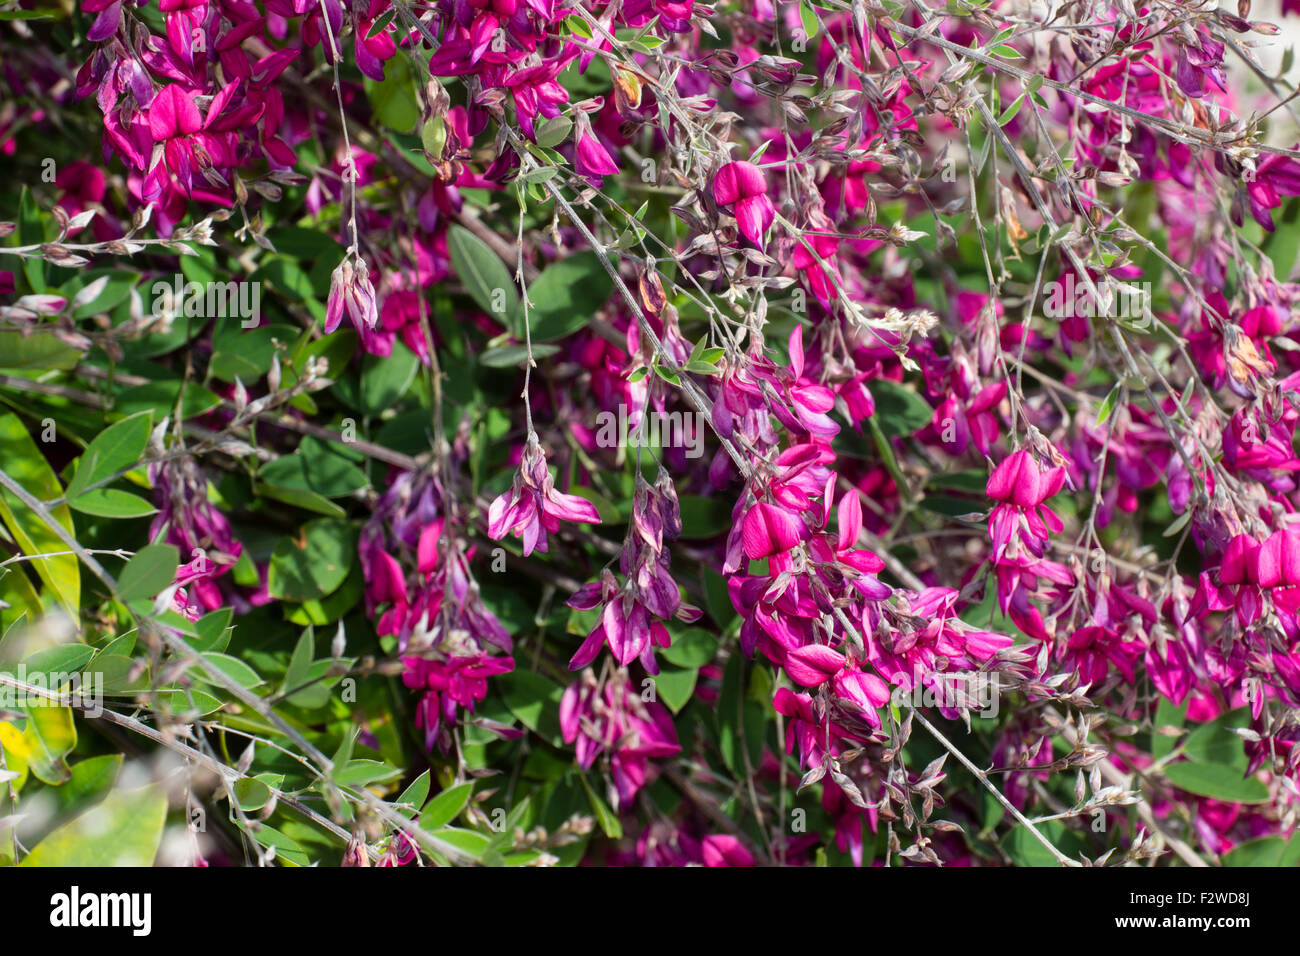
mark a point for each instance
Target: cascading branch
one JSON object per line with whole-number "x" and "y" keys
{"x": 814, "y": 433}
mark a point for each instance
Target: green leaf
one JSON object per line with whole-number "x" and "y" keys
{"x": 1108, "y": 404}
{"x": 514, "y": 356}
{"x": 286, "y": 848}
{"x": 553, "y": 132}
{"x": 92, "y": 779}
{"x": 358, "y": 773}
{"x": 1167, "y": 715}
{"x": 608, "y": 820}
{"x": 484, "y": 275}
{"x": 317, "y": 466}
{"x": 535, "y": 702}
{"x": 717, "y": 599}
{"x": 161, "y": 396}
{"x": 1010, "y": 112}
{"x": 329, "y": 609}
{"x": 567, "y": 295}
{"x": 51, "y": 735}
{"x": 471, "y": 842}
{"x": 315, "y": 563}
{"x": 446, "y": 806}
{"x": 247, "y": 354}
{"x": 64, "y": 659}
{"x": 39, "y": 351}
{"x": 251, "y": 794}
{"x": 151, "y": 570}
{"x": 303, "y": 498}
{"x": 116, "y": 671}
{"x": 300, "y": 663}
{"x": 808, "y": 20}
{"x": 125, "y": 830}
{"x": 900, "y": 411}
{"x": 693, "y": 647}
{"x": 25, "y": 464}
{"x": 1179, "y": 523}
{"x": 1026, "y": 850}
{"x": 1264, "y": 851}
{"x": 112, "y": 503}
{"x": 704, "y": 517}
{"x": 213, "y": 630}
{"x": 115, "y": 449}
{"x": 674, "y": 686}
{"x": 1283, "y": 244}
{"x": 413, "y": 797}
{"x": 393, "y": 98}
{"x": 232, "y": 667}
{"x": 384, "y": 380}
{"x": 1217, "y": 782}
{"x": 298, "y": 242}
{"x": 1214, "y": 742}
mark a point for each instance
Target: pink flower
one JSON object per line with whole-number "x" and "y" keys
{"x": 591, "y": 158}
{"x": 371, "y": 52}
{"x": 611, "y": 718}
{"x": 725, "y": 850}
{"x": 771, "y": 529}
{"x": 1022, "y": 487}
{"x": 813, "y": 665}
{"x": 350, "y": 287}
{"x": 1238, "y": 589}
{"x": 458, "y": 681}
{"x": 1201, "y": 62}
{"x": 741, "y": 186}
{"x": 1275, "y": 176}
{"x": 533, "y": 507}
{"x": 863, "y": 690}
{"x": 1279, "y": 568}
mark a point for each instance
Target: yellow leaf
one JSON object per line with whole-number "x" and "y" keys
{"x": 23, "y": 462}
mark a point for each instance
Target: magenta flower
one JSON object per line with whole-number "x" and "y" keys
{"x": 201, "y": 532}
{"x": 1279, "y": 568}
{"x": 371, "y": 52}
{"x": 1093, "y": 649}
{"x": 1238, "y": 589}
{"x": 611, "y": 718}
{"x": 447, "y": 685}
{"x": 816, "y": 737}
{"x": 720, "y": 849}
{"x": 1022, "y": 487}
{"x": 591, "y": 158}
{"x": 813, "y": 665}
{"x": 350, "y": 288}
{"x": 190, "y": 143}
{"x": 861, "y": 689}
{"x": 625, "y": 624}
{"x": 1275, "y": 176}
{"x": 742, "y": 187}
{"x": 771, "y": 529}
{"x": 1201, "y": 62}
{"x": 533, "y": 507}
